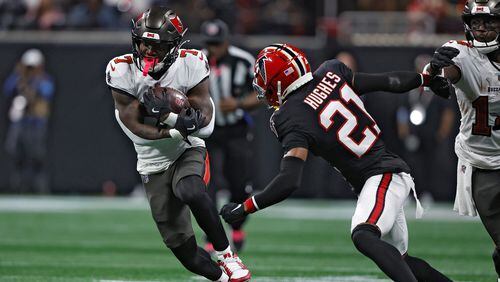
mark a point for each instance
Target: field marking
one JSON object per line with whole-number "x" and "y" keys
{"x": 291, "y": 209}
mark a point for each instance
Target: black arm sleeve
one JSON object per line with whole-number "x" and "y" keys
{"x": 399, "y": 82}
{"x": 283, "y": 185}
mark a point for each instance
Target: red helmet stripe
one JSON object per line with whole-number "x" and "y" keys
{"x": 176, "y": 22}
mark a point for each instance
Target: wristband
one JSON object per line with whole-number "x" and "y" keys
{"x": 250, "y": 205}
{"x": 426, "y": 79}
{"x": 176, "y": 134}
{"x": 170, "y": 120}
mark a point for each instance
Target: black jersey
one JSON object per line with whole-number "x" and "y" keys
{"x": 327, "y": 117}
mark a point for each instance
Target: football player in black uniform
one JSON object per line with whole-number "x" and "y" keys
{"x": 323, "y": 113}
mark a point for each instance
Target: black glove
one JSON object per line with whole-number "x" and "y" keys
{"x": 156, "y": 105}
{"x": 441, "y": 86}
{"x": 442, "y": 58}
{"x": 233, "y": 213}
{"x": 189, "y": 121}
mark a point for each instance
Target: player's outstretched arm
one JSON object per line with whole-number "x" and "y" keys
{"x": 130, "y": 114}
{"x": 398, "y": 81}
{"x": 280, "y": 188}
{"x": 401, "y": 82}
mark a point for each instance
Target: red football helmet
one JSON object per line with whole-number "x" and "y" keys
{"x": 279, "y": 70}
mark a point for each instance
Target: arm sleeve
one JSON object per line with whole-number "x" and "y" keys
{"x": 283, "y": 185}
{"x": 398, "y": 82}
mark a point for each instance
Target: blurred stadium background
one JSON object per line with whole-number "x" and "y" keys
{"x": 101, "y": 239}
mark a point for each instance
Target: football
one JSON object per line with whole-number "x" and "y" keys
{"x": 173, "y": 98}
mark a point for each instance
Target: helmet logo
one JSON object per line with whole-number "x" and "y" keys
{"x": 151, "y": 35}
{"x": 480, "y": 10}
{"x": 262, "y": 69}
{"x": 176, "y": 22}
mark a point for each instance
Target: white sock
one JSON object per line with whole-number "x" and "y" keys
{"x": 220, "y": 254}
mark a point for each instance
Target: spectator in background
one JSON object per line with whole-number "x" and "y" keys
{"x": 11, "y": 14}
{"x": 92, "y": 14}
{"x": 47, "y": 15}
{"x": 230, "y": 144}
{"x": 425, "y": 127}
{"x": 30, "y": 90}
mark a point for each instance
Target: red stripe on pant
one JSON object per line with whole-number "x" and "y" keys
{"x": 206, "y": 173}
{"x": 380, "y": 198}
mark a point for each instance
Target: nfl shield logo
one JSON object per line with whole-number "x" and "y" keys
{"x": 145, "y": 178}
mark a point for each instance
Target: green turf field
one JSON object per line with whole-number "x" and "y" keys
{"x": 92, "y": 239}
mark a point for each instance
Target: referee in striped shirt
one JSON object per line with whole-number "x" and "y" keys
{"x": 231, "y": 75}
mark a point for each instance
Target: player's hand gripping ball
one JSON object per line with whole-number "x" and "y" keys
{"x": 159, "y": 101}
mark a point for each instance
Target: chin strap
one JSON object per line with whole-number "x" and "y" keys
{"x": 278, "y": 93}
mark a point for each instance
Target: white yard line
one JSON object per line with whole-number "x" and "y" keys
{"x": 298, "y": 209}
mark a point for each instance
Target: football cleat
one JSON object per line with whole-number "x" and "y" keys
{"x": 238, "y": 239}
{"x": 234, "y": 268}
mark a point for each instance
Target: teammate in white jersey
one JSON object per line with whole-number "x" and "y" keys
{"x": 474, "y": 68}
{"x": 172, "y": 158}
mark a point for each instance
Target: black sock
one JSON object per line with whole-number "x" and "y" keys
{"x": 424, "y": 271}
{"x": 367, "y": 240}
{"x": 496, "y": 260}
{"x": 197, "y": 260}
{"x": 192, "y": 191}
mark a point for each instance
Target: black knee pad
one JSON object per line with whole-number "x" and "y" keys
{"x": 191, "y": 189}
{"x": 363, "y": 234}
{"x": 363, "y": 230}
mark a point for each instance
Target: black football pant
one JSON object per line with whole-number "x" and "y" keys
{"x": 230, "y": 158}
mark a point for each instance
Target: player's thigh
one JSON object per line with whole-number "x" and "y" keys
{"x": 398, "y": 236}
{"x": 194, "y": 161}
{"x": 486, "y": 193}
{"x": 172, "y": 217}
{"x": 381, "y": 200}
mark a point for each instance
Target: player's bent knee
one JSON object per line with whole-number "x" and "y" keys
{"x": 364, "y": 231}
{"x": 191, "y": 189}
{"x": 172, "y": 240}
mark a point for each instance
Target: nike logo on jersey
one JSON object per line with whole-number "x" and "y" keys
{"x": 191, "y": 128}
{"x": 154, "y": 110}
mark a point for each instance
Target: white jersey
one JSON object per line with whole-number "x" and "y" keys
{"x": 189, "y": 69}
{"x": 478, "y": 97}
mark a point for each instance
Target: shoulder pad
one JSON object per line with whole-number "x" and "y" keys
{"x": 119, "y": 73}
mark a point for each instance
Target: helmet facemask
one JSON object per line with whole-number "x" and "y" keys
{"x": 155, "y": 56}
{"x": 156, "y": 38}
{"x": 489, "y": 24}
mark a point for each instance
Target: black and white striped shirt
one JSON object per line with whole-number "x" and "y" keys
{"x": 231, "y": 76}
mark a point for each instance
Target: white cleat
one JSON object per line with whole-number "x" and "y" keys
{"x": 232, "y": 265}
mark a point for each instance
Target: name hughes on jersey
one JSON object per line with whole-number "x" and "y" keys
{"x": 322, "y": 90}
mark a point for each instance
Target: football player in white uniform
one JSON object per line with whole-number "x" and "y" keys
{"x": 172, "y": 158}
{"x": 474, "y": 68}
